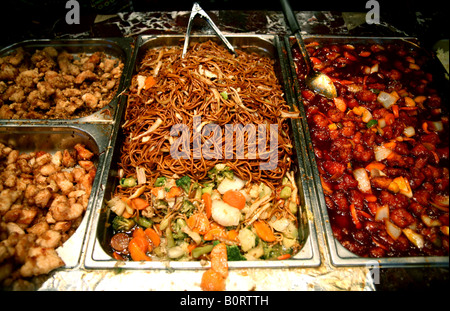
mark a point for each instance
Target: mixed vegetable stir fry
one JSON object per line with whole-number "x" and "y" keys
{"x": 178, "y": 218}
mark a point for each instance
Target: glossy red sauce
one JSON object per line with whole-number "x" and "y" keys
{"x": 344, "y": 140}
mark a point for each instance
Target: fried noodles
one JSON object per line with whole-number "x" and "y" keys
{"x": 211, "y": 83}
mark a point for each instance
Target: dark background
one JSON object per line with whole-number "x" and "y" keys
{"x": 25, "y": 19}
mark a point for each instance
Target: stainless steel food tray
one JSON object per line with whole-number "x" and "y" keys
{"x": 31, "y": 138}
{"x": 338, "y": 255}
{"x": 117, "y": 48}
{"x": 97, "y": 253}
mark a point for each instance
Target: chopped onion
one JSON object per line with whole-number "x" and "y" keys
{"x": 381, "y": 123}
{"x": 381, "y": 153}
{"x": 404, "y": 186}
{"x": 414, "y": 237}
{"x": 375, "y": 172}
{"x": 436, "y": 126}
{"x": 366, "y": 116}
{"x": 140, "y": 173}
{"x": 427, "y": 220}
{"x": 382, "y": 213}
{"x": 362, "y": 178}
{"x": 137, "y": 193}
{"x": 441, "y": 200}
{"x": 386, "y": 99}
{"x": 154, "y": 126}
{"x": 393, "y": 230}
{"x": 280, "y": 225}
{"x": 374, "y": 68}
{"x": 141, "y": 83}
{"x": 409, "y": 131}
{"x": 117, "y": 205}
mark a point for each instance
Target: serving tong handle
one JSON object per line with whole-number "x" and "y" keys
{"x": 197, "y": 10}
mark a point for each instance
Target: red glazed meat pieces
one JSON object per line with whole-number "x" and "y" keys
{"x": 381, "y": 148}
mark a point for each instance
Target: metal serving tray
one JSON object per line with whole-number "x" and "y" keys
{"x": 117, "y": 48}
{"x": 32, "y": 138}
{"x": 338, "y": 255}
{"x": 98, "y": 253}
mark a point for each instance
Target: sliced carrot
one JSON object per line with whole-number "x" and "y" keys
{"x": 315, "y": 60}
{"x": 232, "y": 235}
{"x": 127, "y": 215}
{"x": 136, "y": 252}
{"x": 284, "y": 257}
{"x": 149, "y": 82}
{"x": 395, "y": 111}
{"x": 212, "y": 281}
{"x": 139, "y": 203}
{"x": 355, "y": 216}
{"x": 390, "y": 145}
{"x": 191, "y": 247}
{"x": 219, "y": 259}
{"x": 370, "y": 198}
{"x": 366, "y": 215}
{"x": 142, "y": 242}
{"x": 206, "y": 197}
{"x": 155, "y": 190}
{"x": 214, "y": 233}
{"x": 199, "y": 223}
{"x": 138, "y": 231}
{"x": 375, "y": 164}
{"x": 263, "y": 231}
{"x": 117, "y": 256}
{"x": 153, "y": 236}
{"x": 234, "y": 198}
{"x": 425, "y": 127}
{"x": 174, "y": 192}
{"x": 389, "y": 118}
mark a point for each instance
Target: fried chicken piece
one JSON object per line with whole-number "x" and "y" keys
{"x": 40, "y": 260}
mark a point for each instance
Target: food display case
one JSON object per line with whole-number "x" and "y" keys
{"x": 89, "y": 261}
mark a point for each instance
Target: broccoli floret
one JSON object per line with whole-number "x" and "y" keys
{"x": 160, "y": 181}
{"x": 120, "y": 223}
{"x": 143, "y": 221}
{"x": 184, "y": 183}
{"x": 219, "y": 172}
{"x": 275, "y": 251}
{"x": 177, "y": 231}
{"x": 128, "y": 182}
{"x": 234, "y": 253}
{"x": 187, "y": 208}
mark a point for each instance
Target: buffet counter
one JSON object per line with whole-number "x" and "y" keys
{"x": 322, "y": 274}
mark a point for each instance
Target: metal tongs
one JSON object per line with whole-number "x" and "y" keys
{"x": 196, "y": 9}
